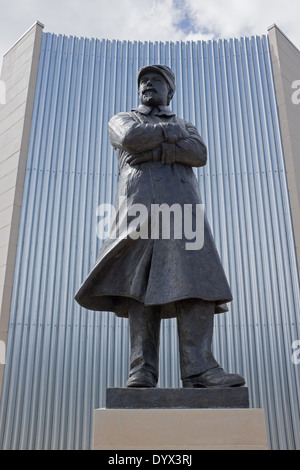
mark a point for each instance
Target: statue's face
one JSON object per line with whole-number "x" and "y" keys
{"x": 153, "y": 90}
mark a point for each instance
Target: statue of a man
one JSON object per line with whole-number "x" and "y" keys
{"x": 148, "y": 277}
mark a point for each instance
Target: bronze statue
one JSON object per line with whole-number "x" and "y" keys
{"x": 148, "y": 277}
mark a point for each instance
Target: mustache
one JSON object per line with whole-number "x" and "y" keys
{"x": 150, "y": 88}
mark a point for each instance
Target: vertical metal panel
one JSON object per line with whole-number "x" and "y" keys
{"x": 60, "y": 357}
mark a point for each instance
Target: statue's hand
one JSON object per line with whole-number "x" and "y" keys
{"x": 137, "y": 158}
{"x": 174, "y": 131}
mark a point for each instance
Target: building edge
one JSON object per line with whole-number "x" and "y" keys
{"x": 19, "y": 76}
{"x": 286, "y": 71}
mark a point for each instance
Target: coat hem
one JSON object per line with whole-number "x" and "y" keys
{"x": 118, "y": 304}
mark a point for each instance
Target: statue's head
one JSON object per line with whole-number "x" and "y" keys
{"x": 156, "y": 85}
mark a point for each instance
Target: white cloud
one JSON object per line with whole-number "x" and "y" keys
{"x": 235, "y": 18}
{"x": 151, "y": 20}
{"x": 110, "y": 19}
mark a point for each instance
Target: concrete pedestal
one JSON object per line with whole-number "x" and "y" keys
{"x": 176, "y": 427}
{"x": 180, "y": 429}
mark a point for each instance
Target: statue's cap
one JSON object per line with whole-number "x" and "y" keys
{"x": 163, "y": 70}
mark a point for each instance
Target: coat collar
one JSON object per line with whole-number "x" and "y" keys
{"x": 160, "y": 110}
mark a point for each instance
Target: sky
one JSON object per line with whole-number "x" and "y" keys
{"x": 149, "y": 20}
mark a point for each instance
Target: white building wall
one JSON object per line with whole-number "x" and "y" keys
{"x": 18, "y": 80}
{"x": 286, "y": 67}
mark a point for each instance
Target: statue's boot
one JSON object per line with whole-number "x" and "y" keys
{"x": 144, "y": 325}
{"x": 199, "y": 368}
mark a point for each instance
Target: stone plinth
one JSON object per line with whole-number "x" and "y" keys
{"x": 143, "y": 398}
{"x": 179, "y": 419}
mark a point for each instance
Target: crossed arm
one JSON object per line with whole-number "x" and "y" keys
{"x": 177, "y": 142}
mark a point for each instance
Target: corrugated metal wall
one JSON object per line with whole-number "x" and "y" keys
{"x": 60, "y": 357}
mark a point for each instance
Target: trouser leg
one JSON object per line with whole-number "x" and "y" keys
{"x": 195, "y": 320}
{"x": 144, "y": 325}
{"x": 198, "y": 365}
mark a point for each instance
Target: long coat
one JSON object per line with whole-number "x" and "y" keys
{"x": 134, "y": 263}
